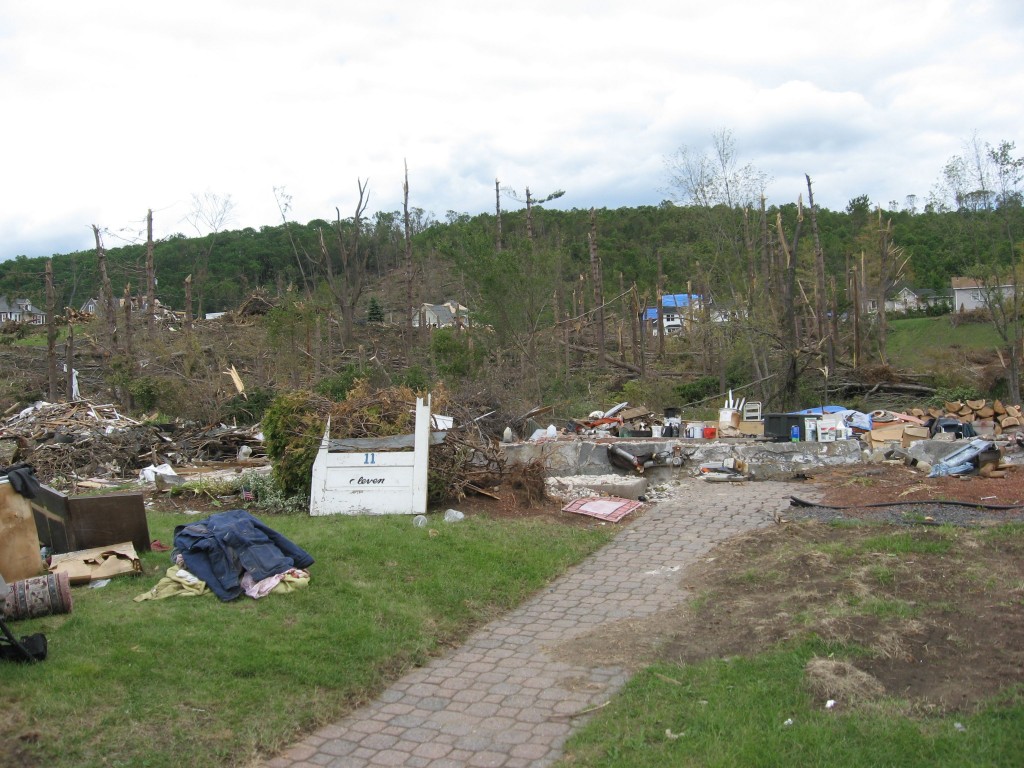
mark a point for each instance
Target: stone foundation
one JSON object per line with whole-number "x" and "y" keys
{"x": 764, "y": 460}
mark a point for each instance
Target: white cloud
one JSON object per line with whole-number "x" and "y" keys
{"x": 116, "y": 107}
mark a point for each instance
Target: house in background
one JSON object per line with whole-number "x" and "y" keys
{"x": 676, "y": 309}
{"x": 969, "y": 293}
{"x": 21, "y": 311}
{"x": 451, "y": 314}
{"x": 903, "y": 298}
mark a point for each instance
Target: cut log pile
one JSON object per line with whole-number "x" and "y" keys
{"x": 1003, "y": 417}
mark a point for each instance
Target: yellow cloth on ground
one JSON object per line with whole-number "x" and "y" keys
{"x": 290, "y": 582}
{"x": 177, "y": 583}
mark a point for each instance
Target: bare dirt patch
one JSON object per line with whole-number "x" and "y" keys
{"x": 934, "y": 615}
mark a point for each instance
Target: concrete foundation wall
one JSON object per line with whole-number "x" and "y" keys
{"x": 765, "y": 460}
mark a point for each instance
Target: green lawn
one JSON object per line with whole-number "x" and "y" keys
{"x": 924, "y": 343}
{"x": 156, "y": 682}
{"x": 758, "y": 712}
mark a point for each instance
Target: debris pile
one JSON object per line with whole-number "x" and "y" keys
{"x": 71, "y": 442}
{"x": 256, "y": 305}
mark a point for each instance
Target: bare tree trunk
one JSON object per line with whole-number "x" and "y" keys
{"x": 635, "y": 333}
{"x": 790, "y": 333}
{"x": 660, "y": 319}
{"x": 150, "y": 276}
{"x": 317, "y": 348}
{"x": 188, "y": 303}
{"x": 857, "y": 353}
{"x": 408, "y": 247}
{"x": 529, "y": 217}
{"x": 819, "y": 266}
{"x": 833, "y": 332}
{"x": 51, "y": 334}
{"x": 109, "y": 309}
{"x": 595, "y": 276}
{"x": 69, "y": 356}
{"x": 128, "y": 320}
{"x": 497, "y": 214}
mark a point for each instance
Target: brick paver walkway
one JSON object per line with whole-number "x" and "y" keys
{"x": 501, "y": 699}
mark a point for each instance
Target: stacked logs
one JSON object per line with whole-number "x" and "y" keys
{"x": 1002, "y": 416}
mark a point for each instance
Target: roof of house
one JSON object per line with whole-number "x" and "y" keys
{"x": 19, "y": 305}
{"x": 961, "y": 283}
{"x": 679, "y": 299}
{"x": 970, "y": 283}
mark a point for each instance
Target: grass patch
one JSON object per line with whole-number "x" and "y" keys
{"x": 882, "y": 574}
{"x": 145, "y": 684}
{"x": 1008, "y": 532}
{"x": 935, "y": 542}
{"x": 912, "y": 341}
{"x": 735, "y": 712}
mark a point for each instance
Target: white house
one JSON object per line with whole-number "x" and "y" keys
{"x": 675, "y": 310}
{"x": 21, "y": 311}
{"x": 907, "y": 299}
{"x": 447, "y": 315}
{"x": 969, "y": 293}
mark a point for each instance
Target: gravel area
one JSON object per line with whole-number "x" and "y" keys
{"x": 912, "y": 513}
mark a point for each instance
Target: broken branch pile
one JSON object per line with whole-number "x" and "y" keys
{"x": 69, "y": 442}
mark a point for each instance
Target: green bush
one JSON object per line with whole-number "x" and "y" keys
{"x": 415, "y": 378}
{"x": 248, "y": 410}
{"x": 292, "y": 428}
{"x": 697, "y": 390}
{"x": 337, "y": 387}
{"x": 452, "y": 354}
{"x": 145, "y": 391}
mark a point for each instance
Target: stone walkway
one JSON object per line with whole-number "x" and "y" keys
{"x": 501, "y": 699}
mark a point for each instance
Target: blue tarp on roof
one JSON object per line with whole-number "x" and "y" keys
{"x": 672, "y": 301}
{"x": 678, "y": 299}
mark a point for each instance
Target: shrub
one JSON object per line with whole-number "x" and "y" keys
{"x": 697, "y": 390}
{"x": 248, "y": 410}
{"x": 337, "y": 387}
{"x": 452, "y": 354}
{"x": 292, "y": 428}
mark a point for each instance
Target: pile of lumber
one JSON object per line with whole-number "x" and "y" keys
{"x": 1002, "y": 416}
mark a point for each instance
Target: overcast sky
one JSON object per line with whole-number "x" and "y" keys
{"x": 114, "y": 107}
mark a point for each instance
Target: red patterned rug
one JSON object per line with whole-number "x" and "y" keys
{"x": 610, "y": 508}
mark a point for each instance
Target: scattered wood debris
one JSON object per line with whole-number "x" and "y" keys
{"x": 72, "y": 443}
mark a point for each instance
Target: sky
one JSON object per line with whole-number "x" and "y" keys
{"x": 112, "y": 107}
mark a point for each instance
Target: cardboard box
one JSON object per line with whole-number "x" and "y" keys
{"x": 827, "y": 430}
{"x": 890, "y": 433}
{"x": 729, "y": 417}
{"x": 911, "y": 434}
{"x": 754, "y": 428}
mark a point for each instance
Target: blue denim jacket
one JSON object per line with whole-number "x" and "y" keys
{"x": 221, "y": 548}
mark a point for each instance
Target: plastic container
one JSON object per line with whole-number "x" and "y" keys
{"x": 794, "y": 433}
{"x": 710, "y": 433}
